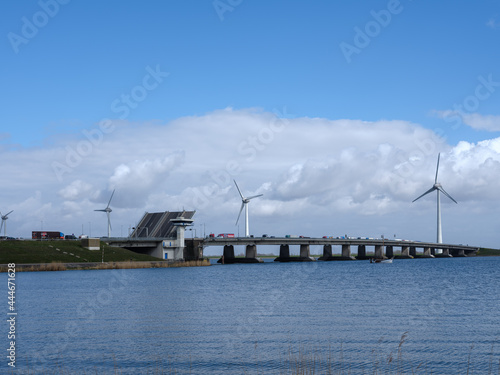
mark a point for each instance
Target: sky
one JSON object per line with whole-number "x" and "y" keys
{"x": 335, "y": 111}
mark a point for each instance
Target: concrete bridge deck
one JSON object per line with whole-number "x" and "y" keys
{"x": 383, "y": 248}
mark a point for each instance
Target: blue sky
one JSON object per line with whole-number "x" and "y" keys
{"x": 418, "y": 62}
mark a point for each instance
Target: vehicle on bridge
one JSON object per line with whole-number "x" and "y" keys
{"x": 226, "y": 235}
{"x": 47, "y": 235}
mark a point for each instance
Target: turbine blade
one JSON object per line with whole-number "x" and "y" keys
{"x": 255, "y": 196}
{"x": 427, "y": 192}
{"x": 1, "y": 226}
{"x": 110, "y": 198}
{"x": 448, "y": 195}
{"x": 239, "y": 191}
{"x": 241, "y": 209}
{"x": 9, "y": 213}
{"x": 100, "y": 210}
{"x": 437, "y": 169}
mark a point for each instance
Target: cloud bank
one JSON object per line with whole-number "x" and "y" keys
{"x": 318, "y": 177}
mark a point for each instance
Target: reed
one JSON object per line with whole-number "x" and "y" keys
{"x": 300, "y": 360}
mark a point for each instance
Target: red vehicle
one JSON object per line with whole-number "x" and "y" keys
{"x": 46, "y": 235}
{"x": 226, "y": 235}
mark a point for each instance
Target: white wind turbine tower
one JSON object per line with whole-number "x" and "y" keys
{"x": 244, "y": 204}
{"x": 4, "y": 223}
{"x": 437, "y": 186}
{"x": 108, "y": 211}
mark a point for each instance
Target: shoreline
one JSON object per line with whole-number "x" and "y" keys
{"x": 59, "y": 266}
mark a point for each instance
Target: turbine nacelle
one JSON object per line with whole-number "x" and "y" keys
{"x": 4, "y": 224}
{"x": 439, "y": 188}
{"x": 108, "y": 210}
{"x": 244, "y": 205}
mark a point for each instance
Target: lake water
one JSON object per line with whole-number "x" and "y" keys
{"x": 263, "y": 318}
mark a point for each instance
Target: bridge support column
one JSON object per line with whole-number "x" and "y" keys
{"x": 227, "y": 255}
{"x": 445, "y": 253}
{"x": 427, "y": 253}
{"x": 284, "y": 251}
{"x": 229, "y": 258}
{"x": 413, "y": 251}
{"x": 389, "y": 251}
{"x": 405, "y": 253}
{"x": 361, "y": 252}
{"x": 251, "y": 255}
{"x": 459, "y": 253}
{"x": 305, "y": 254}
{"x": 327, "y": 253}
{"x": 285, "y": 255}
{"x": 251, "y": 251}
{"x": 379, "y": 252}
{"x": 346, "y": 252}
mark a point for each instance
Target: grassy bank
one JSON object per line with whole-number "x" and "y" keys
{"x": 486, "y": 252}
{"x": 60, "y": 255}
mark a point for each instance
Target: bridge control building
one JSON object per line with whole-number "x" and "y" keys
{"x": 159, "y": 234}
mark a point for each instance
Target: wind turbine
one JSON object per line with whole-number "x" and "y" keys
{"x": 244, "y": 204}
{"x": 4, "y": 223}
{"x": 108, "y": 211}
{"x": 437, "y": 186}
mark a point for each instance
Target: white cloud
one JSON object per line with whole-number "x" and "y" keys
{"x": 317, "y": 175}
{"x": 474, "y": 120}
{"x": 78, "y": 189}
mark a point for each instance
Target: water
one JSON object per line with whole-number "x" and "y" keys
{"x": 257, "y": 318}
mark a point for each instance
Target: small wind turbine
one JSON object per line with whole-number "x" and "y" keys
{"x": 108, "y": 211}
{"x": 437, "y": 186}
{"x": 4, "y": 223}
{"x": 244, "y": 204}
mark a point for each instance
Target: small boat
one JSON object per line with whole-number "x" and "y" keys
{"x": 381, "y": 260}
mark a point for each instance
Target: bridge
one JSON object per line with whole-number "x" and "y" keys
{"x": 383, "y": 248}
{"x": 193, "y": 248}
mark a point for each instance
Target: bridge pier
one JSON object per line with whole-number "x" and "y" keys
{"x": 327, "y": 253}
{"x": 229, "y": 258}
{"x": 405, "y": 253}
{"x": 285, "y": 254}
{"x": 413, "y": 251}
{"x": 389, "y": 251}
{"x": 428, "y": 253}
{"x": 445, "y": 253}
{"x": 251, "y": 255}
{"x": 361, "y": 252}
{"x": 379, "y": 252}
{"x": 305, "y": 254}
{"x": 227, "y": 255}
{"x": 328, "y": 256}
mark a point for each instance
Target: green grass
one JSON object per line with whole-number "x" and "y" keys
{"x": 63, "y": 251}
{"x": 484, "y": 252}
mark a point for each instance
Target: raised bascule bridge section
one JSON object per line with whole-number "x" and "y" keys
{"x": 159, "y": 234}
{"x": 382, "y": 249}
